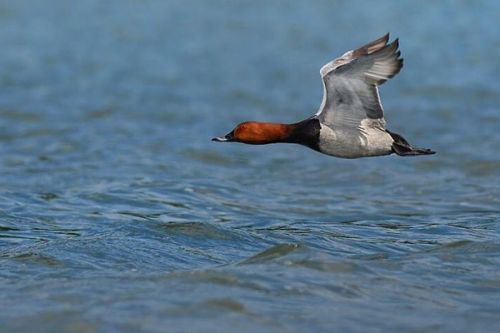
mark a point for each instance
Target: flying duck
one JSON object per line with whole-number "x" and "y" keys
{"x": 350, "y": 121}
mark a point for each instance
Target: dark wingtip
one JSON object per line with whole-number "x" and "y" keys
{"x": 384, "y": 38}
{"x": 394, "y": 45}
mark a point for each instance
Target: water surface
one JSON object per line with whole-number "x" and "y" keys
{"x": 118, "y": 213}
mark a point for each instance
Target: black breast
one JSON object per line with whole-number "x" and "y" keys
{"x": 306, "y": 133}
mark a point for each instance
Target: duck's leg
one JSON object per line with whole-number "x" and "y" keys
{"x": 401, "y": 147}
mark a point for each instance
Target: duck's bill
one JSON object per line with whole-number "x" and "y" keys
{"x": 226, "y": 138}
{"x": 220, "y": 139}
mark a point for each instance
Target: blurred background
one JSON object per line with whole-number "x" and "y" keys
{"x": 118, "y": 214}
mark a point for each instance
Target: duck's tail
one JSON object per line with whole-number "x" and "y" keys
{"x": 401, "y": 147}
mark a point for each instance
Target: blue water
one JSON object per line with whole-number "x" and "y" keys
{"x": 118, "y": 214}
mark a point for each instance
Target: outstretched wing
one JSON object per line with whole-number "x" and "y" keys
{"x": 350, "y": 84}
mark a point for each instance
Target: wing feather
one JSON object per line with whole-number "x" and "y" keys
{"x": 350, "y": 83}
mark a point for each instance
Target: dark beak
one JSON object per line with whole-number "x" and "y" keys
{"x": 227, "y": 138}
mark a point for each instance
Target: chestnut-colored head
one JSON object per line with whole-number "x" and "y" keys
{"x": 257, "y": 133}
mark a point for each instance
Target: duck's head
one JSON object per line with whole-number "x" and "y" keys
{"x": 256, "y": 133}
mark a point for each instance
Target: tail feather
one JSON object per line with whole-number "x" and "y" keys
{"x": 401, "y": 147}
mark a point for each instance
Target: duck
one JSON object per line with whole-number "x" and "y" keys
{"x": 350, "y": 121}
